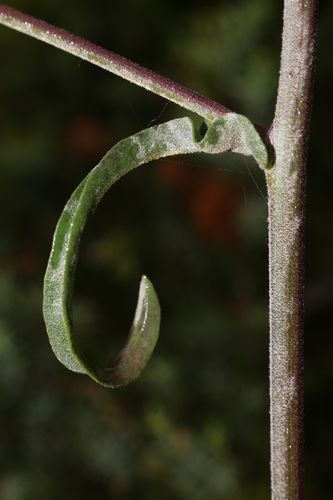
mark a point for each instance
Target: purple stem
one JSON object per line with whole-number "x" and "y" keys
{"x": 115, "y": 64}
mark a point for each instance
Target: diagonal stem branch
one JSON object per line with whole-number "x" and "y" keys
{"x": 115, "y": 64}
{"x": 111, "y": 62}
{"x": 286, "y": 189}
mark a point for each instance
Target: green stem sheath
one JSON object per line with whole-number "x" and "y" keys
{"x": 286, "y": 193}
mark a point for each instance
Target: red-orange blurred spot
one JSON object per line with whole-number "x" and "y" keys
{"x": 173, "y": 173}
{"x": 25, "y": 263}
{"x": 86, "y": 137}
{"x": 210, "y": 200}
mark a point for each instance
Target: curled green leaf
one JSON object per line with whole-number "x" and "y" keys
{"x": 231, "y": 132}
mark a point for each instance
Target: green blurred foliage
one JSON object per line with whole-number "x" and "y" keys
{"x": 196, "y": 423}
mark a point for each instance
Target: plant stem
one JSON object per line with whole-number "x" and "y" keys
{"x": 111, "y": 62}
{"x": 286, "y": 191}
{"x": 115, "y": 64}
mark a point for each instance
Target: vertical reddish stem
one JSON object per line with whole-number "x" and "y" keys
{"x": 286, "y": 189}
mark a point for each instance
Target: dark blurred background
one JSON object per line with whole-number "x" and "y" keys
{"x": 195, "y": 425}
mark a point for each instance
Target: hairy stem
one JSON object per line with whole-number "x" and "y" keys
{"x": 111, "y": 62}
{"x": 286, "y": 190}
{"x": 115, "y": 64}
